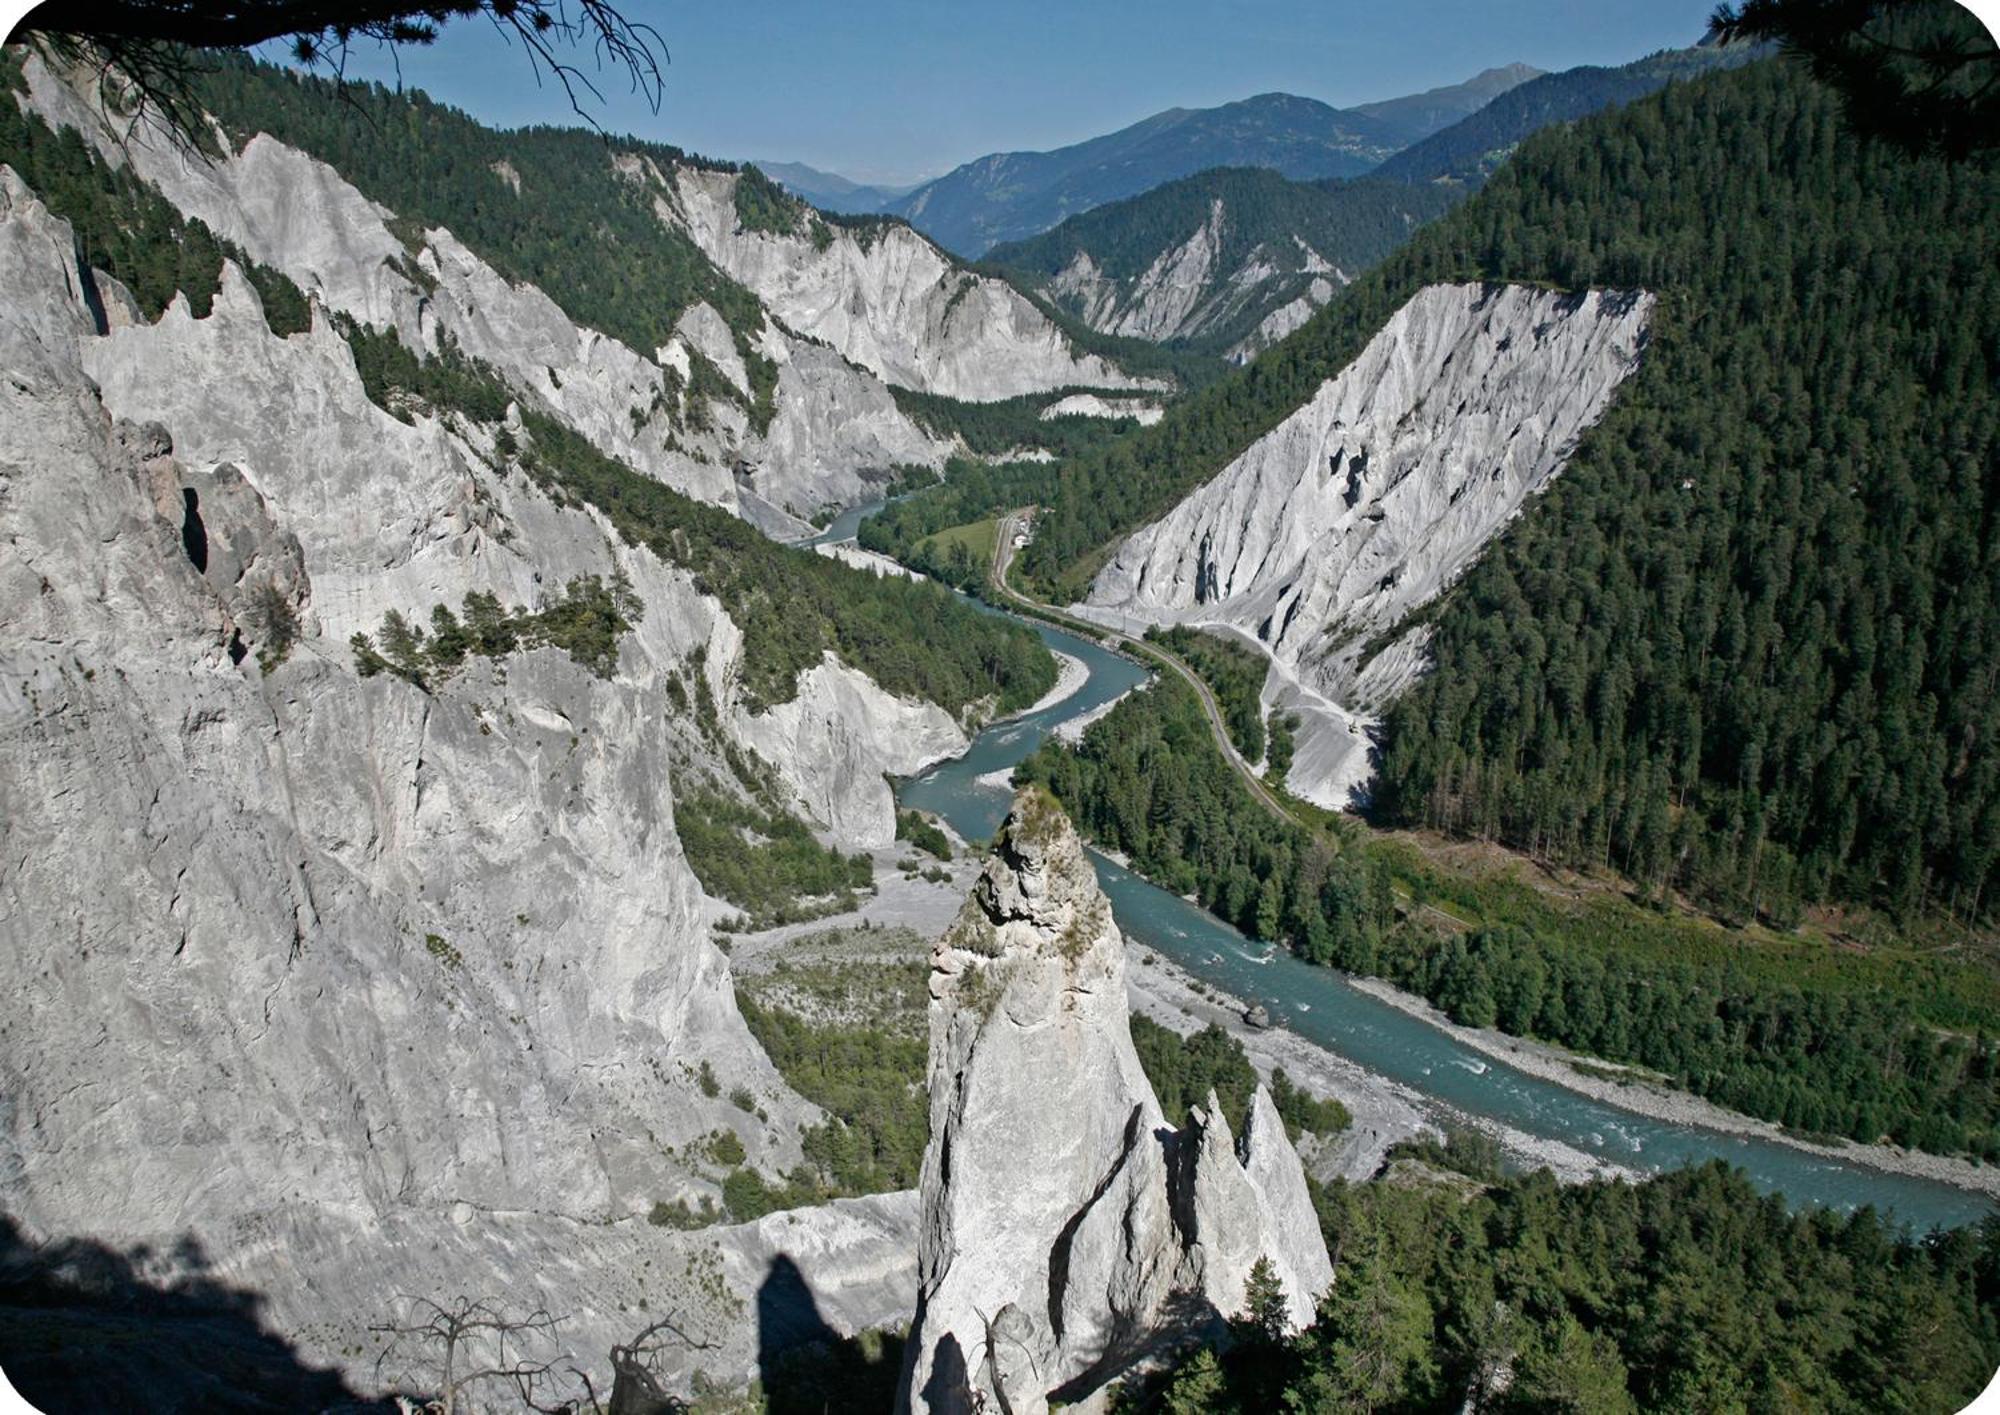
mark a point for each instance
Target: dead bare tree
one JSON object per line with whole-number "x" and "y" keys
{"x": 454, "y": 1346}
{"x": 639, "y": 1379}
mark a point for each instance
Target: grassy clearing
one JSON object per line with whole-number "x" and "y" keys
{"x": 978, "y": 538}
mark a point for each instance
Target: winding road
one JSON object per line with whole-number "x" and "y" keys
{"x": 1010, "y": 526}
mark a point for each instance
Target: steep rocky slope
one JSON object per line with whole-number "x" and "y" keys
{"x": 1366, "y": 503}
{"x": 833, "y": 432}
{"x": 349, "y": 969}
{"x": 884, "y": 296}
{"x": 1068, "y": 1226}
{"x": 338, "y": 987}
{"x": 1233, "y": 259}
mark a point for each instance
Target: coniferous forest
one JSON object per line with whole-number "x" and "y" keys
{"x": 1742, "y": 648}
{"x": 1689, "y": 1292}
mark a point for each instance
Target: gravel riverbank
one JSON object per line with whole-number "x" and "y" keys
{"x": 1634, "y": 1092}
{"x": 1385, "y": 1112}
{"x": 1071, "y": 674}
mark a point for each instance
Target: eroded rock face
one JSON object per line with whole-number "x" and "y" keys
{"x": 1068, "y": 1228}
{"x": 836, "y": 432}
{"x": 1375, "y": 496}
{"x": 1191, "y": 289}
{"x": 889, "y": 300}
{"x": 354, "y": 988}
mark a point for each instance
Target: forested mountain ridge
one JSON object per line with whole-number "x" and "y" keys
{"x": 1013, "y": 195}
{"x": 1231, "y": 258}
{"x": 1744, "y": 646}
{"x": 1467, "y": 152}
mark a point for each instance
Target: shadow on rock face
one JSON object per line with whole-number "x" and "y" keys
{"x": 788, "y": 1315}
{"x": 806, "y": 1366}
{"x": 85, "y": 1328}
{"x": 949, "y": 1390}
{"x": 194, "y": 535}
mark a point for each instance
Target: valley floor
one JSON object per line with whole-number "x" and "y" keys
{"x": 1385, "y": 1112}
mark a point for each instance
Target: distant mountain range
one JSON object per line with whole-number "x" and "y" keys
{"x": 1230, "y": 261}
{"x": 829, "y": 191}
{"x": 1009, "y": 196}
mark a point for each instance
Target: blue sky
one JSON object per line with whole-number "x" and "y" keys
{"x": 902, "y": 89}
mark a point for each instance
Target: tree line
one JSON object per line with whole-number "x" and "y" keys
{"x": 1461, "y": 1288}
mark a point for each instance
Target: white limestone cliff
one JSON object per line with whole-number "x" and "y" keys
{"x": 1091, "y": 405}
{"x": 1189, "y": 289}
{"x": 835, "y": 434}
{"x": 354, "y": 988}
{"x": 888, "y": 299}
{"x": 1068, "y": 1228}
{"x": 1375, "y": 496}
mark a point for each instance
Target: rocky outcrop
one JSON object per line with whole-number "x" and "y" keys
{"x": 889, "y": 300}
{"x": 1091, "y": 405}
{"x": 837, "y": 736}
{"x": 1285, "y": 320}
{"x": 1160, "y": 303}
{"x": 1068, "y": 1228}
{"x": 1327, "y": 532}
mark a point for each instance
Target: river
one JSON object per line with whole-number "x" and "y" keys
{"x": 1319, "y": 1005}
{"x": 845, "y": 525}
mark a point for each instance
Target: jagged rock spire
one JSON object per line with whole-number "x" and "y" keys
{"x": 1068, "y": 1228}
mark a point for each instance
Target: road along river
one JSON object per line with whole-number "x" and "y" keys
{"x": 1322, "y": 1007}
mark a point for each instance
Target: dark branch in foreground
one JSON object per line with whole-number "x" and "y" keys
{"x": 1921, "y": 74}
{"x": 155, "y": 44}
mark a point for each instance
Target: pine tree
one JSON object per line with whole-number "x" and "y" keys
{"x": 1266, "y": 1315}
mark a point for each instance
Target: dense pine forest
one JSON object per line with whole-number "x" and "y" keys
{"x": 1743, "y": 648}
{"x": 1233, "y": 671}
{"x": 1009, "y": 426}
{"x": 1688, "y": 1292}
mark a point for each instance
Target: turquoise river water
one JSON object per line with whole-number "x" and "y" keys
{"x": 1319, "y": 1005}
